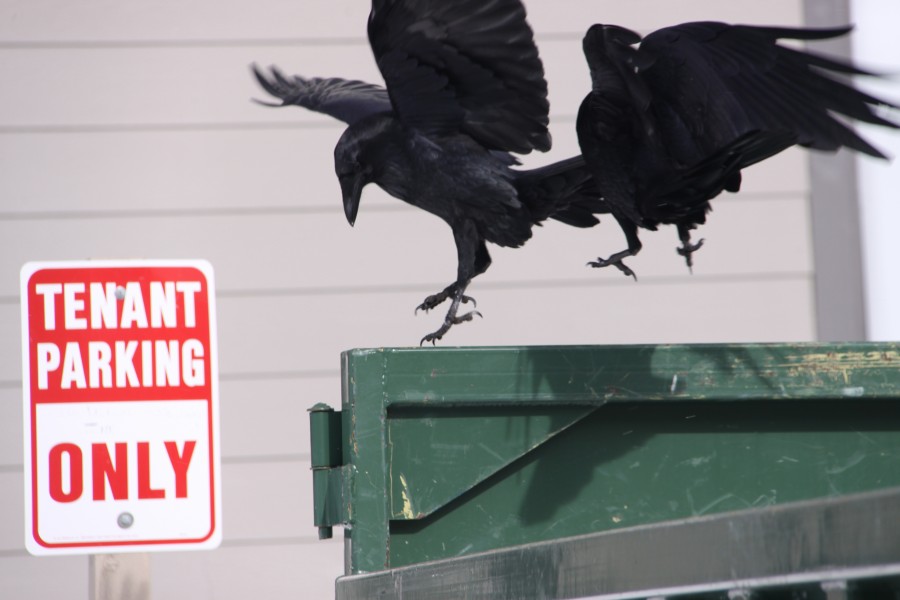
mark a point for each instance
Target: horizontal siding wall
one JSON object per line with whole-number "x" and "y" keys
{"x": 127, "y": 130}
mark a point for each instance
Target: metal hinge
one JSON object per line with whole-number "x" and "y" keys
{"x": 331, "y": 478}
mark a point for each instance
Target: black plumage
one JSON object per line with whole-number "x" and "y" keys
{"x": 672, "y": 118}
{"x": 464, "y": 88}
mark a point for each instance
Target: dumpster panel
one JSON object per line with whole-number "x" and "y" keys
{"x": 544, "y": 442}
{"x": 595, "y": 374}
{"x": 834, "y": 549}
{"x": 434, "y": 455}
{"x": 637, "y": 463}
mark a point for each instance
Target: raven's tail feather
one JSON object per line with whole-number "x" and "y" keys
{"x": 689, "y": 190}
{"x": 563, "y": 191}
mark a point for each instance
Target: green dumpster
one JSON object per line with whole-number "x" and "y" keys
{"x": 440, "y": 453}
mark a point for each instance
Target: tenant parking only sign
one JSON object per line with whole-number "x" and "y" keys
{"x": 121, "y": 407}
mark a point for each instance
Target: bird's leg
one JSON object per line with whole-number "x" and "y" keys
{"x": 616, "y": 261}
{"x": 435, "y": 299}
{"x": 452, "y": 318}
{"x": 473, "y": 261}
{"x": 634, "y": 246}
{"x": 687, "y": 249}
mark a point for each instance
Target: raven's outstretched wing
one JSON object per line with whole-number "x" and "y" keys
{"x": 719, "y": 81}
{"x": 468, "y": 65}
{"x": 347, "y": 100}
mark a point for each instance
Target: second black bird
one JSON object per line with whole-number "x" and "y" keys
{"x": 670, "y": 123}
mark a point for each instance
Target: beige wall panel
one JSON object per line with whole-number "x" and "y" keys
{"x": 24, "y": 577}
{"x": 179, "y": 87}
{"x": 313, "y": 331}
{"x": 261, "y": 168}
{"x": 200, "y": 85}
{"x": 550, "y": 17}
{"x": 267, "y": 501}
{"x": 773, "y": 309}
{"x": 11, "y": 428}
{"x": 10, "y": 345}
{"x": 170, "y": 170}
{"x": 159, "y": 86}
{"x": 254, "y": 252}
{"x": 394, "y": 247}
{"x": 288, "y": 569}
{"x": 306, "y": 570}
{"x": 742, "y": 238}
{"x": 296, "y": 571}
{"x": 182, "y": 86}
{"x": 290, "y": 333}
{"x": 148, "y": 21}
{"x": 12, "y": 517}
{"x": 268, "y": 419}
{"x": 173, "y": 20}
{"x": 786, "y": 172}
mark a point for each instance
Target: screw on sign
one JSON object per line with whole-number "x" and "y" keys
{"x": 121, "y": 407}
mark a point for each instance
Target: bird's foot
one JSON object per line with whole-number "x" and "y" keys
{"x": 435, "y": 299}
{"x": 616, "y": 261}
{"x": 449, "y": 322}
{"x": 687, "y": 250}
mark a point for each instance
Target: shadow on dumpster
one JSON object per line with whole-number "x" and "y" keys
{"x": 658, "y": 452}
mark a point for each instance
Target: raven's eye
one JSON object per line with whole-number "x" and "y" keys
{"x": 348, "y": 173}
{"x": 347, "y": 168}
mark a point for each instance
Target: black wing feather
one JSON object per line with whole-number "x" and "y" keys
{"x": 469, "y": 66}
{"x": 344, "y": 99}
{"x": 726, "y": 80}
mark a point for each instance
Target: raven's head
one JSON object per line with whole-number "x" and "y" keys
{"x": 352, "y": 176}
{"x": 355, "y": 158}
{"x": 608, "y": 48}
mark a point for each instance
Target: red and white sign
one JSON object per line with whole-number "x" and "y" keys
{"x": 121, "y": 407}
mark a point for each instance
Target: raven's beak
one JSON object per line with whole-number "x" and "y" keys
{"x": 351, "y": 187}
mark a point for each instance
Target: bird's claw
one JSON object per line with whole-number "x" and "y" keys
{"x": 687, "y": 251}
{"x": 448, "y": 323}
{"x": 429, "y": 303}
{"x": 435, "y": 299}
{"x": 617, "y": 263}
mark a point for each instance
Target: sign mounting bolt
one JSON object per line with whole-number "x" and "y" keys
{"x": 125, "y": 520}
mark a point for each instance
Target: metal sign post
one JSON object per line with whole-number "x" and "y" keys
{"x": 119, "y": 577}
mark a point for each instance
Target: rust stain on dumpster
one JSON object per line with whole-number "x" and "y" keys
{"x": 840, "y": 364}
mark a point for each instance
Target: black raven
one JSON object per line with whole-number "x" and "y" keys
{"x": 464, "y": 88}
{"x": 669, "y": 124}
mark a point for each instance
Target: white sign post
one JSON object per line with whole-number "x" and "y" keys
{"x": 121, "y": 407}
